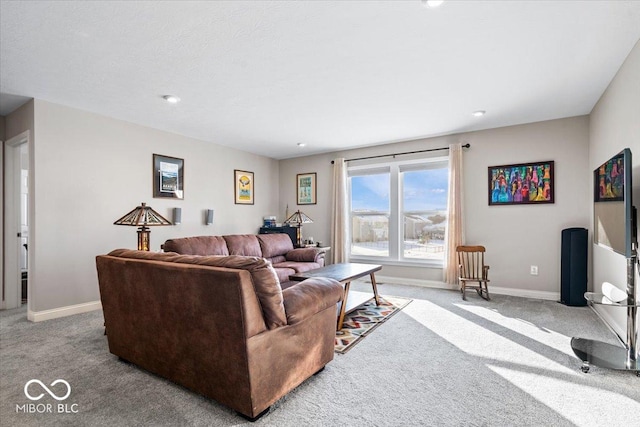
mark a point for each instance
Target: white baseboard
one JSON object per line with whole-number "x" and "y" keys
{"x": 415, "y": 282}
{"x": 524, "y": 293}
{"x": 39, "y": 316}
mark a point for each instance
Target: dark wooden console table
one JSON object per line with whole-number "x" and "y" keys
{"x": 290, "y": 231}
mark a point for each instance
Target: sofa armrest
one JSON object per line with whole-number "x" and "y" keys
{"x": 305, "y": 255}
{"x": 309, "y": 297}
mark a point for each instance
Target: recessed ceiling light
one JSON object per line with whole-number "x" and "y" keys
{"x": 171, "y": 99}
{"x": 301, "y": 144}
{"x": 479, "y": 113}
{"x": 432, "y": 4}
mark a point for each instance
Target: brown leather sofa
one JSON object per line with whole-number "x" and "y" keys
{"x": 218, "y": 325}
{"x": 277, "y": 248}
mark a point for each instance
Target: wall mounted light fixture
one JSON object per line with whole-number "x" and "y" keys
{"x": 209, "y": 217}
{"x": 177, "y": 216}
{"x": 171, "y": 99}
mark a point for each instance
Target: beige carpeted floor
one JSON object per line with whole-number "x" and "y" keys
{"x": 439, "y": 362}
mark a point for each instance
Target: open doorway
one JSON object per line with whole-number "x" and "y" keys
{"x": 24, "y": 221}
{"x": 16, "y": 222}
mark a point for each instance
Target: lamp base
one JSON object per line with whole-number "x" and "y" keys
{"x": 299, "y": 235}
{"x": 144, "y": 238}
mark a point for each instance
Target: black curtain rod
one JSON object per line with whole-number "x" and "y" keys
{"x": 402, "y": 154}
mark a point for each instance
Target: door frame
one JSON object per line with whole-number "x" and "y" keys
{"x": 12, "y": 281}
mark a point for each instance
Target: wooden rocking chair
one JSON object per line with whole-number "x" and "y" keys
{"x": 472, "y": 269}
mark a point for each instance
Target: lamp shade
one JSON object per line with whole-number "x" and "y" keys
{"x": 143, "y": 216}
{"x": 298, "y": 218}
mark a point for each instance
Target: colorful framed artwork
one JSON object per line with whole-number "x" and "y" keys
{"x": 609, "y": 180}
{"x": 243, "y": 186}
{"x": 521, "y": 184}
{"x": 168, "y": 177}
{"x": 306, "y": 188}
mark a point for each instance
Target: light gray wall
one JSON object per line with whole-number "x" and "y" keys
{"x": 90, "y": 170}
{"x": 516, "y": 237}
{"x": 2, "y": 122}
{"x": 614, "y": 125}
{"x": 320, "y": 212}
{"x": 19, "y": 121}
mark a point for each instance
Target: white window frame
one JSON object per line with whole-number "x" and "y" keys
{"x": 396, "y": 210}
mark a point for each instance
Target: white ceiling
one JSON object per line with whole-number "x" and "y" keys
{"x": 262, "y": 76}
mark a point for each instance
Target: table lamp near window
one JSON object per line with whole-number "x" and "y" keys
{"x": 143, "y": 217}
{"x": 296, "y": 220}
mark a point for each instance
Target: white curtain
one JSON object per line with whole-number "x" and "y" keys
{"x": 455, "y": 220}
{"x": 339, "y": 213}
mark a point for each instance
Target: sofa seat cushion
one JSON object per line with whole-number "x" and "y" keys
{"x": 284, "y": 273}
{"x": 299, "y": 267}
{"x": 273, "y": 245}
{"x": 263, "y": 275}
{"x": 243, "y": 244}
{"x": 199, "y": 245}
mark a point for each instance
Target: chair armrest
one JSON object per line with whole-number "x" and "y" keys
{"x": 309, "y": 297}
{"x": 485, "y": 272}
{"x": 305, "y": 255}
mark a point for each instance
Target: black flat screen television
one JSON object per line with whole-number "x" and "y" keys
{"x": 615, "y": 225}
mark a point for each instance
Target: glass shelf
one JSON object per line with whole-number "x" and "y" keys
{"x": 595, "y": 298}
{"x": 604, "y": 355}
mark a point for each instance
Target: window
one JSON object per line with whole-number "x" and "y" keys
{"x": 424, "y": 212}
{"x": 399, "y": 211}
{"x": 370, "y": 211}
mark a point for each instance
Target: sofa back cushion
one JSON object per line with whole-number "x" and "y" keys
{"x": 274, "y": 245}
{"x": 200, "y": 245}
{"x": 264, "y": 277}
{"x": 243, "y": 244}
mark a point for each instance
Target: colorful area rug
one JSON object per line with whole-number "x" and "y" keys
{"x": 364, "y": 319}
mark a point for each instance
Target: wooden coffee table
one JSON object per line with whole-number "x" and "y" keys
{"x": 345, "y": 273}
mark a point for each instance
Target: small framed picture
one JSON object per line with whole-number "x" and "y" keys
{"x": 168, "y": 177}
{"x": 306, "y": 188}
{"x": 244, "y": 190}
{"x": 521, "y": 184}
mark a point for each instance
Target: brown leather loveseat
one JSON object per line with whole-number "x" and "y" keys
{"x": 277, "y": 248}
{"x": 218, "y": 325}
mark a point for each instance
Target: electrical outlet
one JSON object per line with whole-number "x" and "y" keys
{"x": 534, "y": 270}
